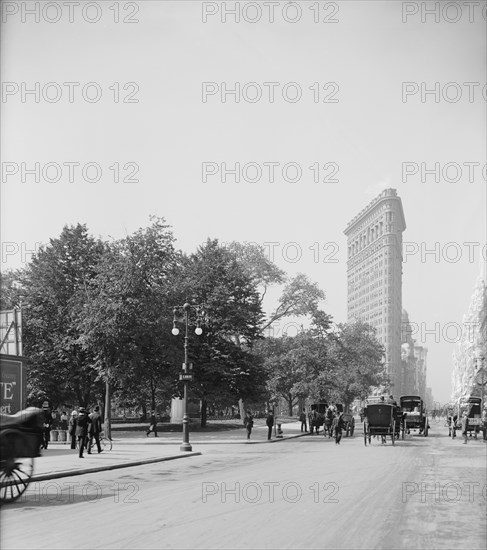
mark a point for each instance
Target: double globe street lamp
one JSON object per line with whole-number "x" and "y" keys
{"x": 186, "y": 376}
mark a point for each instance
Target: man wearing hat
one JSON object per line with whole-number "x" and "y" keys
{"x": 46, "y": 434}
{"x": 82, "y": 425}
{"x": 95, "y": 429}
{"x": 72, "y": 428}
{"x": 465, "y": 426}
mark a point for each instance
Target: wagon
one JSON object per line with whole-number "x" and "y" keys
{"x": 382, "y": 419}
{"x": 473, "y": 406}
{"x": 20, "y": 443}
{"x": 414, "y": 413}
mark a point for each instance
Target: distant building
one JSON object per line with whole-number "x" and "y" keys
{"x": 374, "y": 275}
{"x": 472, "y": 346}
{"x": 413, "y": 361}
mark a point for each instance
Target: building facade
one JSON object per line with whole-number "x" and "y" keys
{"x": 374, "y": 275}
{"x": 471, "y": 350}
{"x": 413, "y": 361}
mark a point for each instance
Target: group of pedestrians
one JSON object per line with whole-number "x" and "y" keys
{"x": 84, "y": 429}
{"x": 249, "y": 423}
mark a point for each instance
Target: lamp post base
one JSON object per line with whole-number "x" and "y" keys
{"x": 185, "y": 447}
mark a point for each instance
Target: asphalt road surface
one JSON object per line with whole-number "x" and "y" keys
{"x": 303, "y": 493}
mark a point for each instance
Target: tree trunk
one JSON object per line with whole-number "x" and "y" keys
{"x": 241, "y": 408}
{"x": 108, "y": 410}
{"x": 204, "y": 407}
{"x": 290, "y": 405}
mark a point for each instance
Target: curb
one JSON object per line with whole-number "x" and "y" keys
{"x": 96, "y": 469}
{"x": 275, "y": 440}
{"x": 222, "y": 442}
{"x": 70, "y": 473}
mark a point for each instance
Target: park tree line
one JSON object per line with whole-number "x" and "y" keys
{"x": 97, "y": 320}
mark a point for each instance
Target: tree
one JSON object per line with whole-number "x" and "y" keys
{"x": 127, "y": 319}
{"x": 53, "y": 288}
{"x": 324, "y": 363}
{"x": 360, "y": 360}
{"x": 224, "y": 364}
{"x": 11, "y": 289}
{"x": 300, "y": 296}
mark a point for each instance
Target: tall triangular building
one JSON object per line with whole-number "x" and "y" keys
{"x": 374, "y": 275}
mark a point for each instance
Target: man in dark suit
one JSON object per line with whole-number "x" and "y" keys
{"x": 270, "y": 423}
{"x": 82, "y": 426}
{"x": 95, "y": 429}
{"x": 152, "y": 424}
{"x": 46, "y": 434}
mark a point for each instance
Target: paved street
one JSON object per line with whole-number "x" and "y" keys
{"x": 299, "y": 493}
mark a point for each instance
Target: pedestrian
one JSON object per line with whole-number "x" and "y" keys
{"x": 63, "y": 424}
{"x": 338, "y": 427}
{"x": 46, "y": 433}
{"x": 152, "y": 424}
{"x": 302, "y": 418}
{"x": 95, "y": 429}
{"x": 453, "y": 423}
{"x": 249, "y": 423}
{"x": 484, "y": 421}
{"x": 270, "y": 423}
{"x": 55, "y": 419}
{"x": 82, "y": 426}
{"x": 72, "y": 428}
{"x": 465, "y": 426}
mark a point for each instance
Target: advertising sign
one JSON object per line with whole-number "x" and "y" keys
{"x": 12, "y": 384}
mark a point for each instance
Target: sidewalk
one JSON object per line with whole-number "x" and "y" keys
{"x": 134, "y": 449}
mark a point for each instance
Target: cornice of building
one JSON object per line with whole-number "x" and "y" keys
{"x": 387, "y": 194}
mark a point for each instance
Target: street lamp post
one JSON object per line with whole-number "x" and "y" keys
{"x": 186, "y": 376}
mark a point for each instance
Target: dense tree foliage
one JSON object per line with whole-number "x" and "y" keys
{"x": 98, "y": 319}
{"x": 54, "y": 289}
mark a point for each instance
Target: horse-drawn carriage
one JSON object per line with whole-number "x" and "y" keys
{"x": 382, "y": 419}
{"x": 20, "y": 443}
{"x": 473, "y": 407}
{"x": 316, "y": 416}
{"x": 414, "y": 414}
{"x": 347, "y": 419}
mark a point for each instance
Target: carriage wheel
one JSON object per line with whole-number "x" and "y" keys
{"x": 105, "y": 443}
{"x": 365, "y": 435}
{"x": 15, "y": 472}
{"x": 352, "y": 429}
{"x": 425, "y": 433}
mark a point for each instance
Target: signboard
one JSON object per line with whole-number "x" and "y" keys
{"x": 12, "y": 384}
{"x": 11, "y": 332}
{"x": 186, "y": 377}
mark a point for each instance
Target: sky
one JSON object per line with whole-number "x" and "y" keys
{"x": 128, "y": 109}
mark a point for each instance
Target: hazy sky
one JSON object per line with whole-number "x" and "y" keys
{"x": 350, "y": 96}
